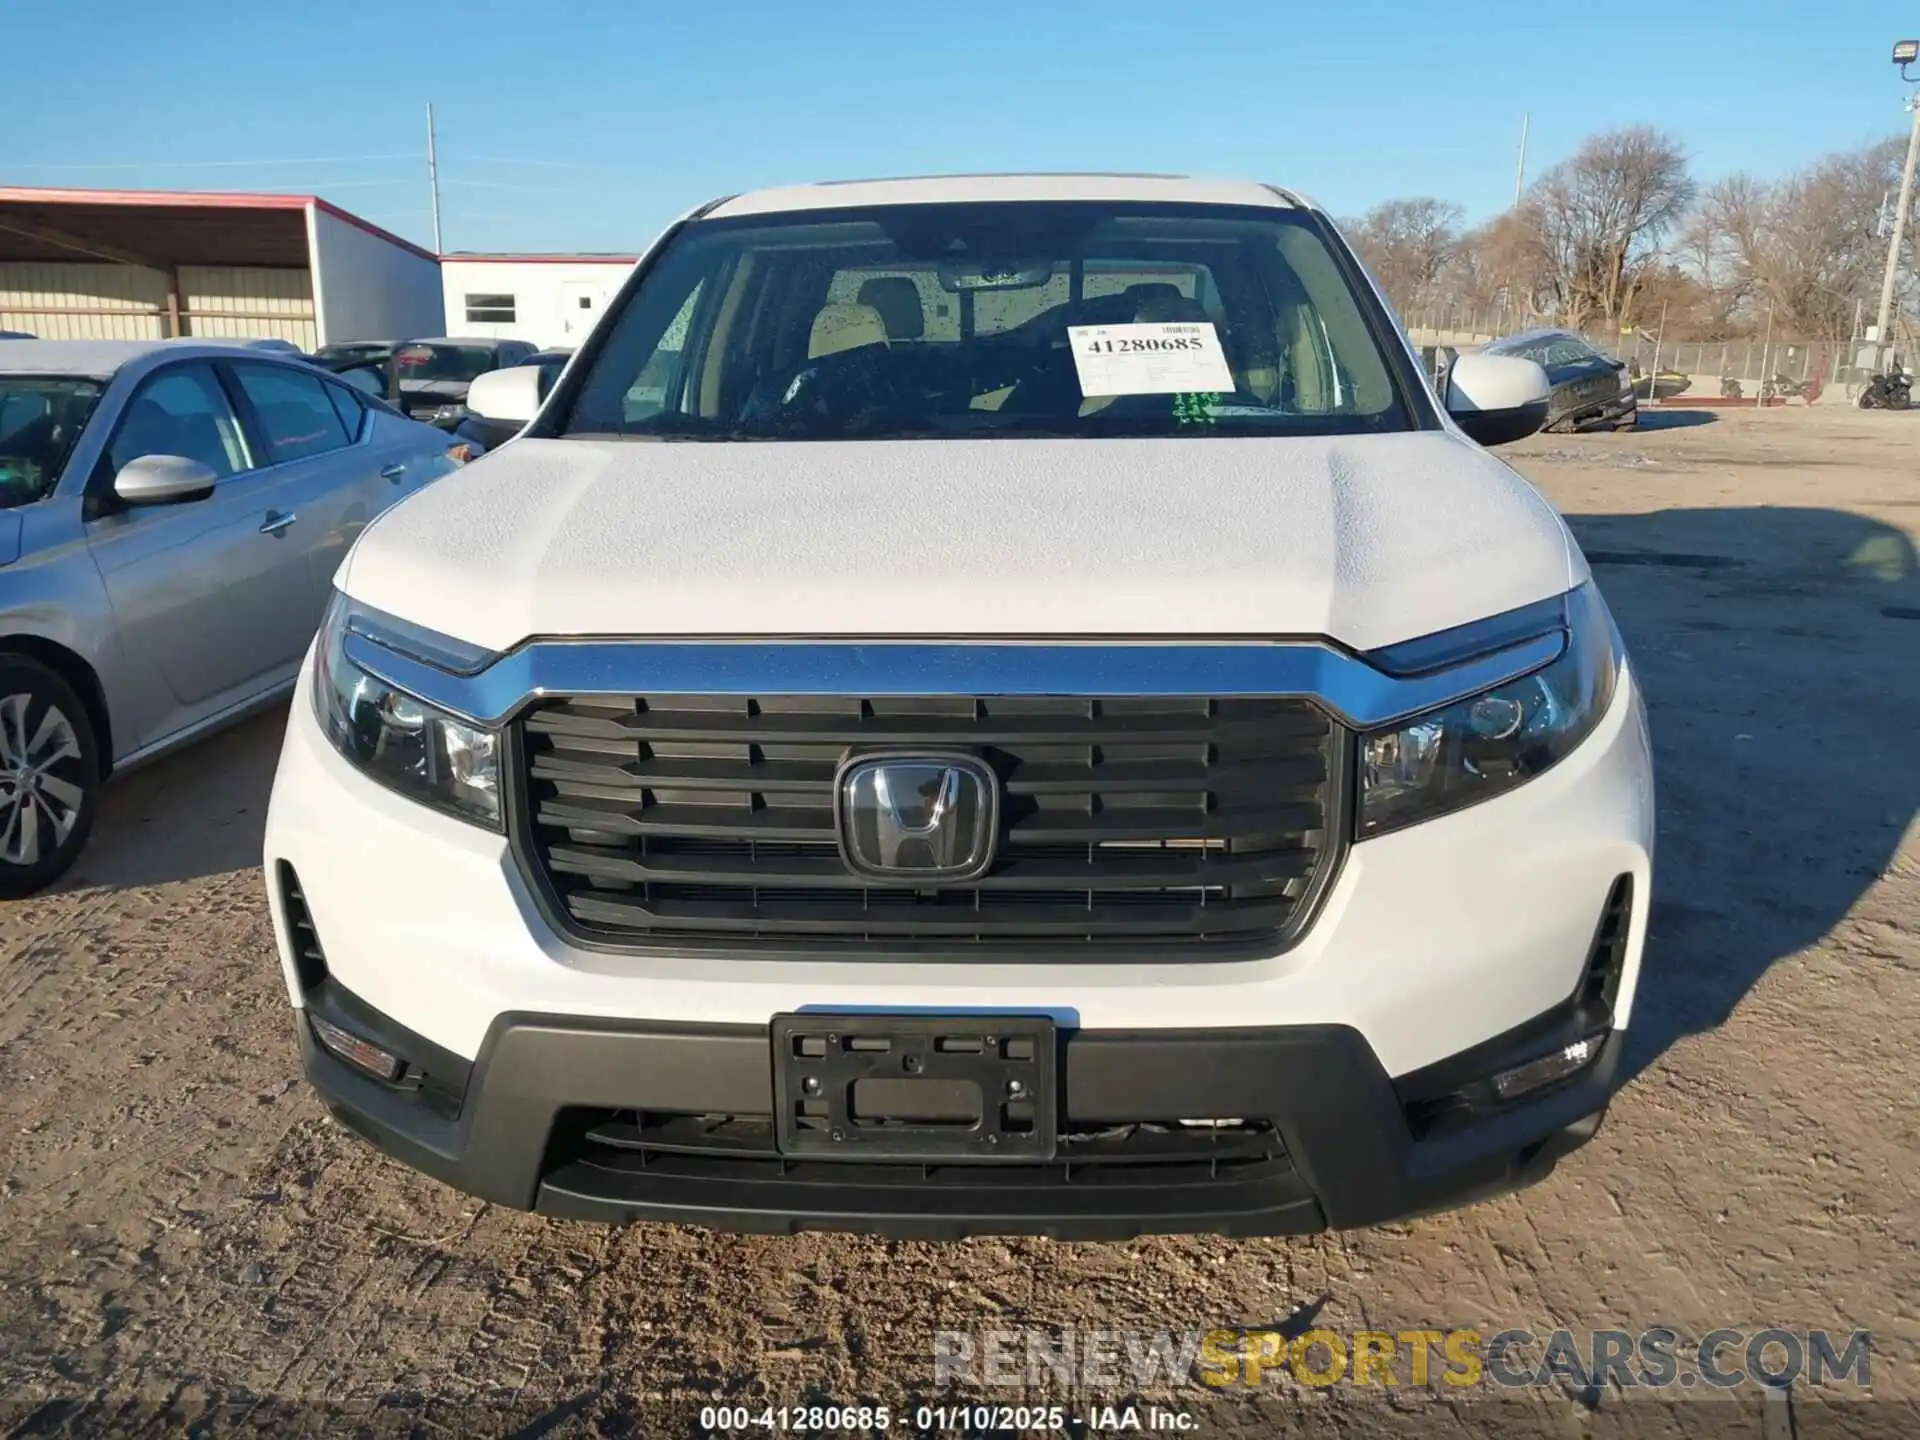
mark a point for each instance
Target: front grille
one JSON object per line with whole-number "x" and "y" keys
{"x": 1134, "y": 824}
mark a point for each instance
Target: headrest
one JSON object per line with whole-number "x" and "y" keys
{"x": 1164, "y": 304}
{"x": 845, "y": 327}
{"x": 898, "y": 300}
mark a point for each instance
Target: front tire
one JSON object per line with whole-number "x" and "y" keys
{"x": 49, "y": 776}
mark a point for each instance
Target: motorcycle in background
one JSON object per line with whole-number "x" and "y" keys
{"x": 1889, "y": 390}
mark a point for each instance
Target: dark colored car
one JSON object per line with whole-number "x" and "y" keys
{"x": 1589, "y": 390}
{"x": 430, "y": 377}
{"x": 354, "y": 353}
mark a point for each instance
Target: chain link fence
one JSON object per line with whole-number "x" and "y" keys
{"x": 1783, "y": 364}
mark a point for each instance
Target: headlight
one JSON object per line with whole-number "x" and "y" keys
{"x": 1489, "y": 743}
{"x": 404, "y": 743}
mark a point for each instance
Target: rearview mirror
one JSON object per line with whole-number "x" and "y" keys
{"x": 506, "y": 397}
{"x": 958, "y": 275}
{"x": 1497, "y": 399}
{"x": 163, "y": 480}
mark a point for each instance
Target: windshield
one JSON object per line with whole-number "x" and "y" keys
{"x": 40, "y": 419}
{"x": 994, "y": 319}
{"x": 443, "y": 362}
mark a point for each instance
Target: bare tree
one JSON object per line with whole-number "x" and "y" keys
{"x": 1408, "y": 244}
{"x": 1602, "y": 212}
{"x": 1617, "y": 233}
{"x": 1501, "y": 270}
{"x": 1806, "y": 247}
{"x": 1723, "y": 234}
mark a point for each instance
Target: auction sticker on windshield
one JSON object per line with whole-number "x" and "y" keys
{"x": 1149, "y": 359}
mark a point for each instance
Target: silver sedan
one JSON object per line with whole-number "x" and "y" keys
{"x": 171, "y": 517}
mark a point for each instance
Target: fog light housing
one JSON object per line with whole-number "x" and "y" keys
{"x": 1548, "y": 1069}
{"x": 360, "y": 1053}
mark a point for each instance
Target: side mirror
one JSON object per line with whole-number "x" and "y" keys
{"x": 163, "y": 480}
{"x": 1497, "y": 399}
{"x": 506, "y": 397}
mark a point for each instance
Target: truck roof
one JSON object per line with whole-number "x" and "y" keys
{"x": 484, "y": 341}
{"x": 950, "y": 189}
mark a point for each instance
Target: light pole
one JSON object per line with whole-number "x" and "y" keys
{"x": 1905, "y": 53}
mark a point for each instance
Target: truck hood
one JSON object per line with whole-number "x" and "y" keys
{"x": 1366, "y": 540}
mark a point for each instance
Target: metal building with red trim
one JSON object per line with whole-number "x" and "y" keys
{"x": 150, "y": 264}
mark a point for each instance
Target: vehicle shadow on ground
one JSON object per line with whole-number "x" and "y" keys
{"x": 1776, "y": 648}
{"x": 200, "y": 811}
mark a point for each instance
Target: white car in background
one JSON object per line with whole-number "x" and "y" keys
{"x": 171, "y": 515}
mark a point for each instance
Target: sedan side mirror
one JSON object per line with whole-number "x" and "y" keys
{"x": 1497, "y": 399}
{"x": 163, "y": 480}
{"x": 506, "y": 397}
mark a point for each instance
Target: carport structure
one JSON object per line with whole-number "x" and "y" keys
{"x": 143, "y": 264}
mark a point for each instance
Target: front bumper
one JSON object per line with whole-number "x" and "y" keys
{"x": 1435, "y": 947}
{"x": 1345, "y": 1152}
{"x": 1591, "y": 413}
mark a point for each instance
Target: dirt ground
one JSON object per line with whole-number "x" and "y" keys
{"x": 180, "y": 1223}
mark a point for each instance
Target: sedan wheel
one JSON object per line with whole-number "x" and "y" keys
{"x": 49, "y": 772}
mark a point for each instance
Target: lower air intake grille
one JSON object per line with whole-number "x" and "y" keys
{"x": 309, "y": 960}
{"x": 1130, "y": 825}
{"x": 742, "y": 1147}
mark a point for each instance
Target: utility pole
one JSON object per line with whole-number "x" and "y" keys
{"x": 433, "y": 180}
{"x": 1520, "y": 174}
{"x": 1653, "y": 375}
{"x": 1766, "y": 356}
{"x": 1904, "y": 54}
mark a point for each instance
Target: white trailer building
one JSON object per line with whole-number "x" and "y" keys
{"x": 150, "y": 264}
{"x": 552, "y": 300}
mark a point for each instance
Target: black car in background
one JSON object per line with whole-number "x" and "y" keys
{"x": 1588, "y": 388}
{"x": 431, "y": 377}
{"x": 353, "y": 353}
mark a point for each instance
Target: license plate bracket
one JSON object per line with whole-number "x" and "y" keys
{"x": 915, "y": 1087}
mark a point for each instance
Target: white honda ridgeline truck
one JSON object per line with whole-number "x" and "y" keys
{"x": 985, "y": 704}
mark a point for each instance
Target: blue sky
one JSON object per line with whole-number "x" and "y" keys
{"x": 639, "y": 110}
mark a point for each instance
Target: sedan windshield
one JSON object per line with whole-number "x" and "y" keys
{"x": 993, "y": 319}
{"x": 40, "y": 419}
{"x": 347, "y": 354}
{"x": 443, "y": 362}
